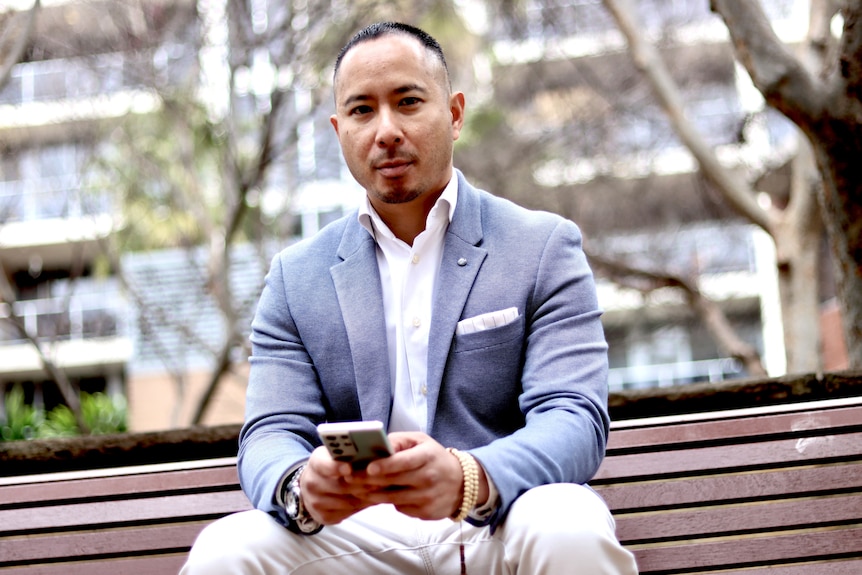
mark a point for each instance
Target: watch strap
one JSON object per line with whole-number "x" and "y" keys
{"x": 301, "y": 520}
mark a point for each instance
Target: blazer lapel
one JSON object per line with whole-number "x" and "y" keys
{"x": 357, "y": 283}
{"x": 462, "y": 260}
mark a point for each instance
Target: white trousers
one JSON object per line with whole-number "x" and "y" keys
{"x": 557, "y": 529}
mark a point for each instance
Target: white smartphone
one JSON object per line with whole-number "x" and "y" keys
{"x": 356, "y": 442}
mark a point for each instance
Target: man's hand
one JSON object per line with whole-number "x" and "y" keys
{"x": 325, "y": 492}
{"x": 421, "y": 479}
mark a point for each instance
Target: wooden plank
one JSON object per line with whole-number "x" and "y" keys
{"x": 117, "y": 471}
{"x": 32, "y": 549}
{"x": 759, "y": 411}
{"x": 102, "y": 513}
{"x": 794, "y": 481}
{"x": 118, "y": 486}
{"x": 801, "y": 451}
{"x": 806, "y": 513}
{"x": 730, "y": 429}
{"x": 841, "y": 567}
{"x": 766, "y": 549}
{"x": 149, "y": 565}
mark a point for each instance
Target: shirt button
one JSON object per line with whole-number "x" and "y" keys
{"x": 424, "y": 390}
{"x": 417, "y": 322}
{"x": 415, "y": 258}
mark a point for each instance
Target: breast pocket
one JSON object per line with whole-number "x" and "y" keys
{"x": 483, "y": 376}
{"x": 507, "y": 335}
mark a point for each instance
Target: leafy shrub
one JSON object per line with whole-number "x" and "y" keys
{"x": 101, "y": 413}
{"x": 22, "y": 421}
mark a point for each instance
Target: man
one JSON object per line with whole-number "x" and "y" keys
{"x": 458, "y": 319}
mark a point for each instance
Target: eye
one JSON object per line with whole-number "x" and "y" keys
{"x": 410, "y": 101}
{"x": 360, "y": 110}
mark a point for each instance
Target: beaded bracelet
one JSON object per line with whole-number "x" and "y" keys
{"x": 470, "y": 470}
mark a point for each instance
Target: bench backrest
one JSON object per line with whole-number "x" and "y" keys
{"x": 744, "y": 493}
{"x": 740, "y": 492}
{"x": 136, "y": 521}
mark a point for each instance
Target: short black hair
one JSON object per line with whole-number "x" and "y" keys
{"x": 381, "y": 29}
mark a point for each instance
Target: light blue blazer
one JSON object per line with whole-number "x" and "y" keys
{"x": 528, "y": 400}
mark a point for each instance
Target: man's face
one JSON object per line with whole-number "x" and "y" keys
{"x": 395, "y": 119}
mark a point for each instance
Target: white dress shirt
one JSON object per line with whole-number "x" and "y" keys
{"x": 408, "y": 275}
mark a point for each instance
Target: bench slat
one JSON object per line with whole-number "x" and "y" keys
{"x": 731, "y": 457}
{"x": 100, "y": 543}
{"x": 732, "y": 519}
{"x": 749, "y": 551}
{"x": 149, "y": 565}
{"x": 794, "y": 481}
{"x": 193, "y": 479}
{"x": 846, "y": 567}
{"x": 93, "y": 515}
{"x": 726, "y": 430}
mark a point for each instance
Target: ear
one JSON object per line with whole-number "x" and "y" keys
{"x": 333, "y": 119}
{"x": 456, "y": 107}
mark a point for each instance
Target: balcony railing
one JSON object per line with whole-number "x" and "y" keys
{"x": 669, "y": 374}
{"x": 51, "y": 80}
{"x": 59, "y": 197}
{"x": 76, "y": 310}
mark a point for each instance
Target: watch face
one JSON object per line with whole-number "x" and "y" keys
{"x": 291, "y": 500}
{"x": 291, "y": 503}
{"x": 290, "y": 506}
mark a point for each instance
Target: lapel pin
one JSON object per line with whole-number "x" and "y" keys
{"x": 462, "y": 262}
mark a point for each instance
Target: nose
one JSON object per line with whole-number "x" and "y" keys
{"x": 388, "y": 128}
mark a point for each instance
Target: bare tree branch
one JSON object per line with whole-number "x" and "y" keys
{"x": 781, "y": 77}
{"x": 14, "y": 54}
{"x": 58, "y": 375}
{"x": 647, "y": 59}
{"x": 851, "y": 50}
{"x": 794, "y": 229}
{"x": 710, "y": 312}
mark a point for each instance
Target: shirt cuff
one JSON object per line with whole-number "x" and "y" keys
{"x": 483, "y": 512}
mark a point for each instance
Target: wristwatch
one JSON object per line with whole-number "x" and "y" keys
{"x": 299, "y": 516}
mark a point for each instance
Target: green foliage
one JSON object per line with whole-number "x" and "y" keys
{"x": 101, "y": 413}
{"x": 22, "y": 421}
{"x": 165, "y": 168}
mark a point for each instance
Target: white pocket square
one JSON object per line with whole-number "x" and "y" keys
{"x": 487, "y": 321}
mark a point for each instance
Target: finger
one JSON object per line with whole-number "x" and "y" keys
{"x": 406, "y": 460}
{"x": 322, "y": 464}
{"x": 336, "y": 510}
{"x": 401, "y": 440}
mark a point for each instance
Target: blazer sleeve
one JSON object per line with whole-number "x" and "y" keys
{"x": 563, "y": 381}
{"x": 283, "y": 400}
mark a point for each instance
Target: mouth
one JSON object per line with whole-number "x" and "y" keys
{"x": 393, "y": 168}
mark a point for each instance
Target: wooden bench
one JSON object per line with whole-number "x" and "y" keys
{"x": 757, "y": 492}
{"x": 135, "y": 520}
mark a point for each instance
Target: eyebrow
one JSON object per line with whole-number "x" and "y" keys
{"x": 400, "y": 90}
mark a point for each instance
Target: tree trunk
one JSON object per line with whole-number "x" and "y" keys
{"x": 795, "y": 230}
{"x": 840, "y": 160}
{"x": 798, "y": 237}
{"x": 828, "y": 108}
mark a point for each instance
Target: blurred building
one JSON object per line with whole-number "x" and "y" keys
{"x": 616, "y": 169}
{"x": 613, "y": 163}
{"x": 88, "y": 64}
{"x": 151, "y": 335}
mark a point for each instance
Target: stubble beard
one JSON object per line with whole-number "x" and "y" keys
{"x": 397, "y": 195}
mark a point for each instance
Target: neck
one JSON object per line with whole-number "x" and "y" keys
{"x": 407, "y": 220}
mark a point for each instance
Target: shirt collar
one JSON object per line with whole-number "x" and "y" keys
{"x": 371, "y": 221}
